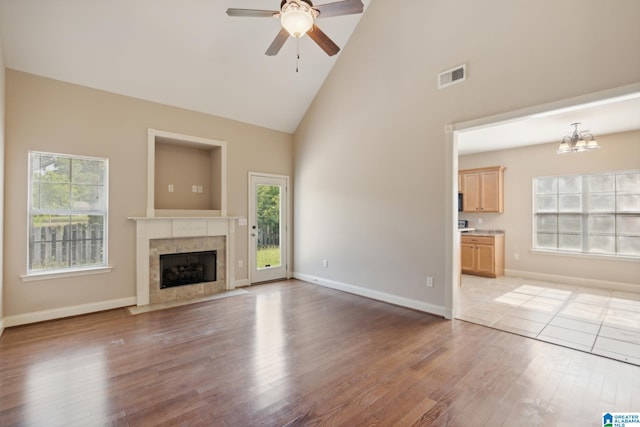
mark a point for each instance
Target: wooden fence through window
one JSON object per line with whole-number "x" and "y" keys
{"x": 268, "y": 237}
{"x": 71, "y": 245}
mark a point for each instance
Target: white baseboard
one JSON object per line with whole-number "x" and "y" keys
{"x": 241, "y": 283}
{"x": 377, "y": 295}
{"x": 57, "y": 313}
{"x": 592, "y": 283}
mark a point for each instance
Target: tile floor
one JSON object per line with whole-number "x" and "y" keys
{"x": 597, "y": 321}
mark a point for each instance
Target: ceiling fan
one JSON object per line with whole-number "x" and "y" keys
{"x": 297, "y": 18}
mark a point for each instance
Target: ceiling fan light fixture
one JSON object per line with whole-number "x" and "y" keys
{"x": 297, "y": 17}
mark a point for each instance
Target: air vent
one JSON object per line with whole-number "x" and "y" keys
{"x": 452, "y": 76}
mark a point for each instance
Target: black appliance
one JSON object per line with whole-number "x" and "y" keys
{"x": 463, "y": 223}
{"x": 460, "y": 202}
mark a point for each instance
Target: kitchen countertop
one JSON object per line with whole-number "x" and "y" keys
{"x": 475, "y": 232}
{"x": 465, "y": 230}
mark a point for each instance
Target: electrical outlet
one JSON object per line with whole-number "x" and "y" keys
{"x": 479, "y": 220}
{"x": 325, "y": 263}
{"x": 429, "y": 282}
{"x": 516, "y": 256}
{"x": 240, "y": 263}
{"x": 170, "y": 188}
{"x": 194, "y": 188}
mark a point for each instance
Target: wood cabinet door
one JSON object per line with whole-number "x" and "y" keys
{"x": 467, "y": 257}
{"x": 485, "y": 259}
{"x": 489, "y": 191}
{"x": 471, "y": 192}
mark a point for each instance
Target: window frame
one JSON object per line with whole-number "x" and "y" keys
{"x": 69, "y": 270}
{"x": 585, "y": 213}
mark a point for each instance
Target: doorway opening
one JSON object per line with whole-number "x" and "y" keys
{"x": 459, "y": 140}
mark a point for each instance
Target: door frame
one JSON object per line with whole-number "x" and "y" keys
{"x": 451, "y": 132}
{"x": 286, "y": 233}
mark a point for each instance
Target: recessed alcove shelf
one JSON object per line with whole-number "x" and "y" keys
{"x": 186, "y": 176}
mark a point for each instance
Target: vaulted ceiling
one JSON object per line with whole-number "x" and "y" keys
{"x": 190, "y": 54}
{"x": 185, "y": 53}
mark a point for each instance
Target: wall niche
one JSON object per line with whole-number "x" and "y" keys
{"x": 186, "y": 176}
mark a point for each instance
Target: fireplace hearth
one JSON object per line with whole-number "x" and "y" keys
{"x": 187, "y": 268}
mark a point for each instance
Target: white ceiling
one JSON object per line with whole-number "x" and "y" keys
{"x": 185, "y": 53}
{"x": 617, "y": 114}
{"x": 190, "y": 54}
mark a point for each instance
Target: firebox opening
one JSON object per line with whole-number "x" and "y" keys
{"x": 187, "y": 268}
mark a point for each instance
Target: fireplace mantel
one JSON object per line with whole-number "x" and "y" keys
{"x": 148, "y": 228}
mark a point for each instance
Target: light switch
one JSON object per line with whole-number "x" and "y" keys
{"x": 170, "y": 188}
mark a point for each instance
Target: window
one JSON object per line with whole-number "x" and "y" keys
{"x": 593, "y": 214}
{"x": 67, "y": 212}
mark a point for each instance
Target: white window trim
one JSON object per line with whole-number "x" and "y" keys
{"x": 589, "y": 255}
{"x": 47, "y": 274}
{"x": 58, "y": 274}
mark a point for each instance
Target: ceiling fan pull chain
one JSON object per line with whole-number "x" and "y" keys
{"x": 297, "y": 53}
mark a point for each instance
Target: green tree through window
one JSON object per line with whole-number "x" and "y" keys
{"x": 268, "y": 250}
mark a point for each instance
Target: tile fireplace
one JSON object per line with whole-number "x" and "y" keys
{"x": 159, "y": 236}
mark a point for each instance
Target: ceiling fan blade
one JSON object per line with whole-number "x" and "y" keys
{"x": 344, "y": 7}
{"x": 323, "y": 41}
{"x": 253, "y": 13}
{"x": 277, "y": 43}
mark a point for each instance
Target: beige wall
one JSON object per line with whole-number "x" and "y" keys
{"x": 620, "y": 152}
{"x": 372, "y": 168}
{"x": 48, "y": 115}
{"x": 183, "y": 167}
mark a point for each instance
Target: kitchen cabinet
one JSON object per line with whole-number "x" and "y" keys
{"x": 482, "y": 255}
{"x": 482, "y": 189}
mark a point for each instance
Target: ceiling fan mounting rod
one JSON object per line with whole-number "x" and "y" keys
{"x": 295, "y": 1}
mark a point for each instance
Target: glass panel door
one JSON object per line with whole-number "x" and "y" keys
{"x": 268, "y": 244}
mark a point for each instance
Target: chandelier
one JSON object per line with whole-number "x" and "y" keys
{"x": 578, "y": 141}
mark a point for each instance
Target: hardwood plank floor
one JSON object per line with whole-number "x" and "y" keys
{"x": 292, "y": 354}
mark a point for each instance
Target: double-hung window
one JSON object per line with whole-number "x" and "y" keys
{"x": 67, "y": 212}
{"x": 592, "y": 214}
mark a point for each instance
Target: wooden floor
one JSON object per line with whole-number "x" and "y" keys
{"x": 292, "y": 353}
